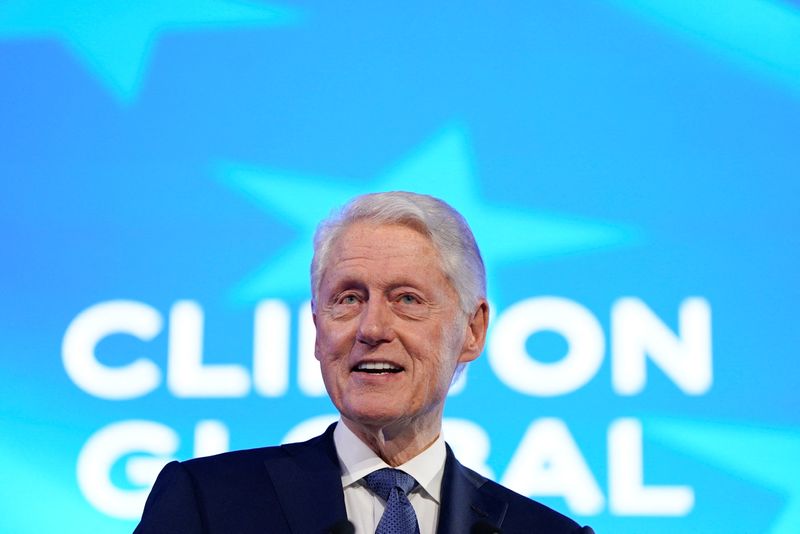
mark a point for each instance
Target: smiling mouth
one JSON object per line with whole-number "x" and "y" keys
{"x": 377, "y": 368}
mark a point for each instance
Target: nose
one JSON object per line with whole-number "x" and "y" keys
{"x": 375, "y": 323}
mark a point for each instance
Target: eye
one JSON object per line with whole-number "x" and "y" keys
{"x": 347, "y": 299}
{"x": 408, "y": 298}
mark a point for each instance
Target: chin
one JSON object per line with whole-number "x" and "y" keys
{"x": 376, "y": 417}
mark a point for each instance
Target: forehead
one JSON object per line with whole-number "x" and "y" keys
{"x": 384, "y": 247}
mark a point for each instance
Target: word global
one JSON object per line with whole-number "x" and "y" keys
{"x": 547, "y": 462}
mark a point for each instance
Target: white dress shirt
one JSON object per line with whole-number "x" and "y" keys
{"x": 364, "y": 508}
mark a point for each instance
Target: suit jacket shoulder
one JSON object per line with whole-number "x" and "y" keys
{"x": 468, "y": 498}
{"x": 290, "y": 488}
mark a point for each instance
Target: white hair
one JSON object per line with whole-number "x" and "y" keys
{"x": 444, "y": 226}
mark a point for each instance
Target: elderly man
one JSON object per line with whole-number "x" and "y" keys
{"x": 399, "y": 305}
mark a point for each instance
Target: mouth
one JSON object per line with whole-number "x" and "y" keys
{"x": 377, "y": 368}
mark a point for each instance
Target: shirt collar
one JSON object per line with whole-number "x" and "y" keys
{"x": 358, "y": 460}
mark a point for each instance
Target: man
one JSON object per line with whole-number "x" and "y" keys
{"x": 399, "y": 304}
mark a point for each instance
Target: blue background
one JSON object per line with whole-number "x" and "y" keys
{"x": 184, "y": 150}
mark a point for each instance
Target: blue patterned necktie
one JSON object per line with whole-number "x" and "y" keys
{"x": 393, "y": 486}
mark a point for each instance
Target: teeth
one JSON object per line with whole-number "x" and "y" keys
{"x": 377, "y": 366}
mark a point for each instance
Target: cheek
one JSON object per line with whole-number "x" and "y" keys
{"x": 448, "y": 349}
{"x": 331, "y": 344}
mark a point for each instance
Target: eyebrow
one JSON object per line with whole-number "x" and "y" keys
{"x": 404, "y": 283}
{"x": 347, "y": 282}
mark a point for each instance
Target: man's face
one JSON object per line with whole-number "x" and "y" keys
{"x": 390, "y": 332}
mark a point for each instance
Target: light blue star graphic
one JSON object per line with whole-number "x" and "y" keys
{"x": 114, "y": 38}
{"x": 441, "y": 167}
{"x": 769, "y": 457}
{"x": 760, "y": 35}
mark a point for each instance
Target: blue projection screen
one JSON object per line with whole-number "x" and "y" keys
{"x": 630, "y": 169}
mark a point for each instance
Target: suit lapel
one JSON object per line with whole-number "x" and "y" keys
{"x": 463, "y": 502}
{"x": 308, "y": 483}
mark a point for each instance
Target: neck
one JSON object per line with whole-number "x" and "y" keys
{"x": 394, "y": 445}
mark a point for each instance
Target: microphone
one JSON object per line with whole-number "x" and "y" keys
{"x": 482, "y": 527}
{"x": 342, "y": 527}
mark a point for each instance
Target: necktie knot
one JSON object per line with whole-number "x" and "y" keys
{"x": 393, "y": 486}
{"x": 382, "y": 481}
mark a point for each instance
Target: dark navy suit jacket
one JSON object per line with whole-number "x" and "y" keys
{"x": 297, "y": 489}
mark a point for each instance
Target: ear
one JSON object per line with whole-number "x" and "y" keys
{"x": 316, "y": 337}
{"x": 476, "y": 333}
